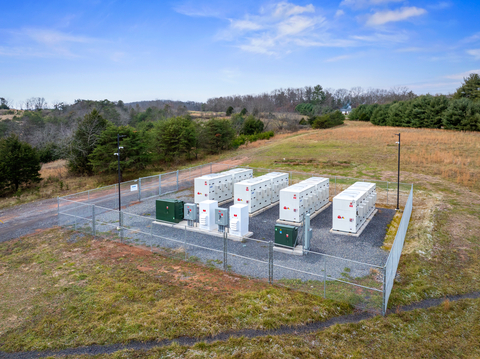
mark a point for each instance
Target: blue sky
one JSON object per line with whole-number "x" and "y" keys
{"x": 194, "y": 50}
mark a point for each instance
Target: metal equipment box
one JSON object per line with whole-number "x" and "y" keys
{"x": 213, "y": 187}
{"x": 190, "y": 211}
{"x": 239, "y": 220}
{"x": 279, "y": 182}
{"x": 254, "y": 192}
{"x": 169, "y": 210}
{"x": 207, "y": 215}
{"x": 370, "y": 201}
{"x": 286, "y": 235}
{"x": 221, "y": 216}
{"x": 296, "y": 200}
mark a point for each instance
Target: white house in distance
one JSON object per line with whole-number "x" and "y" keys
{"x": 346, "y": 109}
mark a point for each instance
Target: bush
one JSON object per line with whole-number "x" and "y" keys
{"x": 251, "y": 126}
{"x": 242, "y": 139}
{"x": 306, "y": 109}
{"x": 328, "y": 120}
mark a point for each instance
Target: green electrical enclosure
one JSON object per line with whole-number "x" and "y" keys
{"x": 169, "y": 210}
{"x": 285, "y": 235}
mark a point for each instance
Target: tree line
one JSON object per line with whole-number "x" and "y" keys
{"x": 286, "y": 100}
{"x": 458, "y": 112}
{"x": 91, "y": 146}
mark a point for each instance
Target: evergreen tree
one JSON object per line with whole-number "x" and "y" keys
{"x": 19, "y": 163}
{"x": 229, "y": 111}
{"x": 174, "y": 138}
{"x": 396, "y": 114}
{"x": 380, "y": 115}
{"x": 455, "y": 113}
{"x": 84, "y": 142}
{"x": 252, "y": 126}
{"x": 134, "y": 154}
{"x": 217, "y": 135}
{"x": 470, "y": 88}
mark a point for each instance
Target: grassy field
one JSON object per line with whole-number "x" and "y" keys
{"x": 451, "y": 330}
{"x": 61, "y": 293}
{"x": 63, "y": 289}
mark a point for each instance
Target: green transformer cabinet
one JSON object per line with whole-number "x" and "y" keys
{"x": 285, "y": 235}
{"x": 169, "y": 210}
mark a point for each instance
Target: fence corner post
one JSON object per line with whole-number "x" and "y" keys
{"x": 324, "y": 277}
{"x": 160, "y": 184}
{"x": 177, "y": 180}
{"x": 384, "y": 292}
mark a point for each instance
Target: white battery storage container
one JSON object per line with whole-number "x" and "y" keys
{"x": 296, "y": 200}
{"x": 254, "y": 192}
{"x": 371, "y": 200}
{"x": 213, "y": 187}
{"x": 239, "y": 220}
{"x": 239, "y": 174}
{"x": 322, "y": 189}
{"x": 348, "y": 207}
{"x": 207, "y": 215}
{"x": 279, "y": 182}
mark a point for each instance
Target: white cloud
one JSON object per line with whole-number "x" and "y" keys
{"x": 338, "y": 58}
{"x": 475, "y": 53}
{"x": 339, "y": 13}
{"x": 411, "y": 49}
{"x": 284, "y": 9}
{"x": 366, "y": 3}
{"x": 473, "y": 38}
{"x": 383, "y": 37}
{"x": 246, "y": 25}
{"x": 404, "y": 13}
{"x": 440, "y": 6}
{"x": 462, "y": 75}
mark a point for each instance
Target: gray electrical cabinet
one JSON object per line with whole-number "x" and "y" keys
{"x": 221, "y": 218}
{"x": 190, "y": 213}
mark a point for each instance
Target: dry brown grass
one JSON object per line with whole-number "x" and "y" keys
{"x": 453, "y": 155}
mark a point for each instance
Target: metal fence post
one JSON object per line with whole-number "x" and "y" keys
{"x": 225, "y": 251}
{"x": 58, "y": 210}
{"x": 94, "y": 221}
{"x": 387, "y": 193}
{"x": 270, "y": 262}
{"x": 88, "y": 195}
{"x": 324, "y": 277}
{"x": 140, "y": 189}
{"x": 177, "y": 180}
{"x": 159, "y": 184}
{"x": 335, "y": 185}
{"x": 151, "y": 237}
{"x": 384, "y": 292}
{"x": 210, "y": 167}
{"x": 121, "y": 225}
{"x": 185, "y": 241}
{"x": 75, "y": 223}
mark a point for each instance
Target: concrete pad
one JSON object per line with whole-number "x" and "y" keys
{"x": 216, "y": 233}
{"x": 360, "y": 230}
{"x": 297, "y": 251}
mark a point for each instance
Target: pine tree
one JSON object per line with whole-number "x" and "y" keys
{"x": 134, "y": 154}
{"x": 470, "y": 88}
{"x": 174, "y": 138}
{"x": 19, "y": 163}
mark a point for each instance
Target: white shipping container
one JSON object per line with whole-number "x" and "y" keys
{"x": 254, "y": 192}
{"x": 348, "y": 207}
{"x": 213, "y": 187}
{"x": 296, "y": 200}
{"x": 279, "y": 182}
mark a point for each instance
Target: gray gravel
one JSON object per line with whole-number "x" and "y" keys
{"x": 250, "y": 257}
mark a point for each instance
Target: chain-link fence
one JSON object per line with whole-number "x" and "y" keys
{"x": 366, "y": 286}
